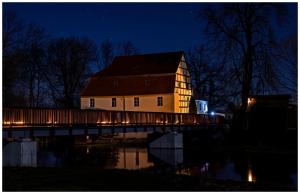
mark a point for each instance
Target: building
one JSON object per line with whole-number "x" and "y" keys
{"x": 152, "y": 82}
{"x": 270, "y": 113}
{"x": 202, "y": 106}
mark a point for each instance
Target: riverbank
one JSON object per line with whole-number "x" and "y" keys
{"x": 96, "y": 179}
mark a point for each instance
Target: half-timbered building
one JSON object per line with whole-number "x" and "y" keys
{"x": 152, "y": 82}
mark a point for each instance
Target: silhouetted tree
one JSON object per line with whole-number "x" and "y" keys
{"x": 68, "y": 61}
{"x": 243, "y": 33}
{"x": 108, "y": 50}
{"x": 11, "y": 35}
{"x": 127, "y": 48}
{"x": 33, "y": 51}
{"x": 286, "y": 55}
{"x": 106, "y": 54}
{"x": 208, "y": 76}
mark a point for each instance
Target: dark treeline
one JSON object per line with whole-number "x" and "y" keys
{"x": 40, "y": 71}
{"x": 240, "y": 56}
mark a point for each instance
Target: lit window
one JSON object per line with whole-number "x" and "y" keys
{"x": 136, "y": 101}
{"x": 92, "y": 102}
{"x": 113, "y": 102}
{"x": 159, "y": 101}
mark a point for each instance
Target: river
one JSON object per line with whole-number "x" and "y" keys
{"x": 236, "y": 166}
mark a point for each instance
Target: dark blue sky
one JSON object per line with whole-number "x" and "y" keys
{"x": 152, "y": 27}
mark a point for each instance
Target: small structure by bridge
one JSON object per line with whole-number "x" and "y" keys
{"x": 35, "y": 122}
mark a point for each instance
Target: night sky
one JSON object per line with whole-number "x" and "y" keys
{"x": 152, "y": 27}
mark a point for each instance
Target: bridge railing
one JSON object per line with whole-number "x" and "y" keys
{"x": 57, "y": 117}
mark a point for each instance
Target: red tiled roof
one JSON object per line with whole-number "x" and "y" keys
{"x": 134, "y": 85}
{"x": 143, "y": 64}
{"x": 136, "y": 75}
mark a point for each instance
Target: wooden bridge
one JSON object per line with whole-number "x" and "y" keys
{"x": 29, "y": 122}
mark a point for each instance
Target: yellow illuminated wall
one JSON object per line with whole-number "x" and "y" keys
{"x": 147, "y": 103}
{"x": 183, "y": 88}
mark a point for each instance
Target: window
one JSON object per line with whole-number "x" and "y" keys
{"x": 92, "y": 102}
{"x": 113, "y": 102}
{"x": 159, "y": 101}
{"x": 136, "y": 101}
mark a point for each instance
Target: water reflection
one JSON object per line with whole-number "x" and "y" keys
{"x": 103, "y": 157}
{"x": 228, "y": 172}
{"x": 251, "y": 177}
{"x": 269, "y": 168}
{"x": 133, "y": 158}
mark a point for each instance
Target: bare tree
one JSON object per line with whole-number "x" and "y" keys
{"x": 127, "y": 48}
{"x": 106, "y": 54}
{"x": 33, "y": 47}
{"x": 286, "y": 55}
{"x": 12, "y": 30}
{"x": 68, "y": 62}
{"x": 243, "y": 31}
{"x": 207, "y": 77}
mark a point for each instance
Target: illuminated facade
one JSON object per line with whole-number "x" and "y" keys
{"x": 183, "y": 87}
{"x": 148, "y": 83}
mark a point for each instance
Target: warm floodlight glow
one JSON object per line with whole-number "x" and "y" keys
{"x": 19, "y": 122}
{"x": 251, "y": 101}
{"x": 6, "y": 123}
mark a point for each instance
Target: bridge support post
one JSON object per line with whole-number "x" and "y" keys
{"x": 22, "y": 153}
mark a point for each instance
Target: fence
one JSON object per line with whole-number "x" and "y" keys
{"x": 13, "y": 117}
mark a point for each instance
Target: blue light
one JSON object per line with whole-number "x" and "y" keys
{"x": 212, "y": 113}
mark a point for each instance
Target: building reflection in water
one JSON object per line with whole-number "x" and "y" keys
{"x": 133, "y": 158}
